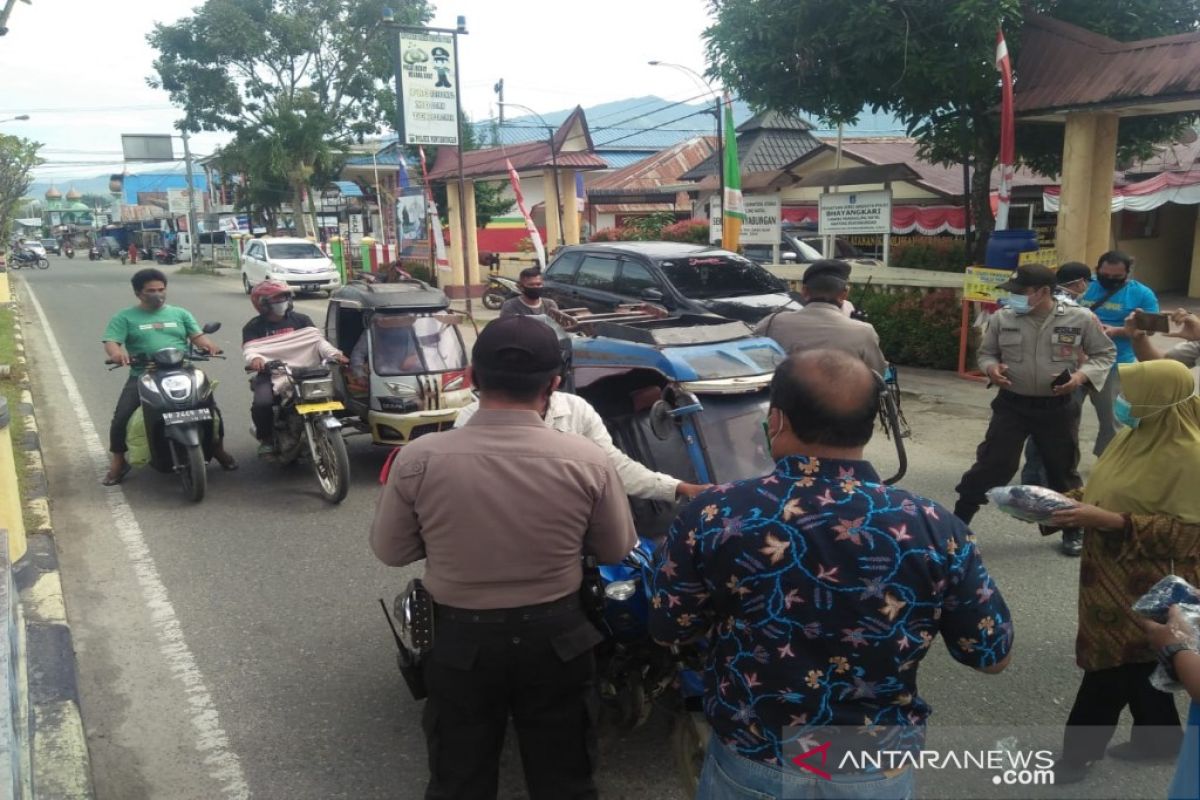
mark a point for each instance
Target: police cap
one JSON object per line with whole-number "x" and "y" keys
{"x": 517, "y": 344}
{"x": 1029, "y": 276}
{"x": 832, "y": 267}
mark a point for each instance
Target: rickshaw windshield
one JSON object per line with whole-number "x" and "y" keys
{"x": 732, "y": 427}
{"x": 404, "y": 344}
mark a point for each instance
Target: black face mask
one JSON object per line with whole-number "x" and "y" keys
{"x": 1109, "y": 283}
{"x": 532, "y": 292}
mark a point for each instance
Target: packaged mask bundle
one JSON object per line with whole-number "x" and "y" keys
{"x": 1154, "y": 604}
{"x": 1028, "y": 503}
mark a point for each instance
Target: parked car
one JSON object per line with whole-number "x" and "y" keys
{"x": 680, "y": 277}
{"x": 52, "y": 246}
{"x": 34, "y": 246}
{"x": 796, "y": 250}
{"x": 297, "y": 262}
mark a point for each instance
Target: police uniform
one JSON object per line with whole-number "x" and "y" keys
{"x": 502, "y": 510}
{"x": 822, "y": 324}
{"x": 1036, "y": 349}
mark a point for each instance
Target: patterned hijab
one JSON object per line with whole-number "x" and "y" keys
{"x": 1153, "y": 468}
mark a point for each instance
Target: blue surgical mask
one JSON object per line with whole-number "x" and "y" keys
{"x": 1019, "y": 304}
{"x": 1123, "y": 410}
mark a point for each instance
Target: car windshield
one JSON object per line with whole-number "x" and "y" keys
{"x": 50, "y": 242}
{"x": 703, "y": 277}
{"x": 294, "y": 250}
{"x": 732, "y": 427}
{"x": 402, "y": 344}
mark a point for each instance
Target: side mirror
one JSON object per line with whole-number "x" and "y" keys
{"x": 652, "y": 295}
{"x": 662, "y": 424}
{"x": 211, "y": 327}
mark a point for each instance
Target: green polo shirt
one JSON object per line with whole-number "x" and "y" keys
{"x": 144, "y": 333}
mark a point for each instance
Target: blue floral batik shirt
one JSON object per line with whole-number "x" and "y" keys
{"x": 820, "y": 590}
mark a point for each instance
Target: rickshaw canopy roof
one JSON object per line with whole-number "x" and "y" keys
{"x": 409, "y": 295}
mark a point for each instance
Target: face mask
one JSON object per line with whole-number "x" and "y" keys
{"x": 155, "y": 300}
{"x": 1108, "y": 283}
{"x": 532, "y": 292}
{"x": 1019, "y": 303}
{"x": 1123, "y": 410}
{"x": 279, "y": 308}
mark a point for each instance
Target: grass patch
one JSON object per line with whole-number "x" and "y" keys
{"x": 10, "y": 387}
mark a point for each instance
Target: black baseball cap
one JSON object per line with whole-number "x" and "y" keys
{"x": 1029, "y": 276}
{"x": 827, "y": 266}
{"x": 1073, "y": 271}
{"x": 517, "y": 343}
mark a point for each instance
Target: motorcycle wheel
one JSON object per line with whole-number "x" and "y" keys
{"x": 194, "y": 475}
{"x": 492, "y": 300}
{"x": 43, "y": 263}
{"x": 124, "y": 259}
{"x": 331, "y": 464}
{"x": 70, "y": 254}
{"x": 689, "y": 747}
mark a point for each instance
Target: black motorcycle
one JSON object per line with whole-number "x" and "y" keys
{"x": 165, "y": 255}
{"x": 68, "y": 250}
{"x": 498, "y": 290}
{"x": 177, "y": 409}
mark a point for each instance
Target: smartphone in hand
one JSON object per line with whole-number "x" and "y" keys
{"x": 1061, "y": 378}
{"x": 1155, "y": 323}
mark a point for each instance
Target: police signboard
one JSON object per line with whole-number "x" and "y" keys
{"x": 427, "y": 88}
{"x": 979, "y": 284}
{"x": 855, "y": 212}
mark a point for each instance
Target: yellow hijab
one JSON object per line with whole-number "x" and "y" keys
{"x": 1153, "y": 468}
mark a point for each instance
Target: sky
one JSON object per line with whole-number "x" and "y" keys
{"x": 78, "y": 68}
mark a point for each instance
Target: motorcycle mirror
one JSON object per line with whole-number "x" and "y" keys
{"x": 211, "y": 327}
{"x": 662, "y": 424}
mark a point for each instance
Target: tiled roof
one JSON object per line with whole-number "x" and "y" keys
{"x": 1062, "y": 67}
{"x": 765, "y": 143}
{"x": 660, "y": 168}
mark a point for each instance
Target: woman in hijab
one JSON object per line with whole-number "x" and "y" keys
{"x": 1141, "y": 516}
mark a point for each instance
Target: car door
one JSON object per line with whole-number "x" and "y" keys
{"x": 255, "y": 264}
{"x": 560, "y": 279}
{"x": 637, "y": 284}
{"x": 596, "y": 283}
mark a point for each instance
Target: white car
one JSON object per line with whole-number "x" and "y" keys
{"x": 297, "y": 262}
{"x": 34, "y": 246}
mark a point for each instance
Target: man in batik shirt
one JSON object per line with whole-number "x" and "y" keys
{"x": 820, "y": 590}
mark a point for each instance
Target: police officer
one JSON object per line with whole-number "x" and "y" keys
{"x": 1031, "y": 350}
{"x": 822, "y": 323}
{"x": 502, "y": 510}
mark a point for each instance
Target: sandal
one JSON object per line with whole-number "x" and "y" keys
{"x": 113, "y": 480}
{"x": 229, "y": 463}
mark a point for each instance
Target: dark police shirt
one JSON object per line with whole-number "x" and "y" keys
{"x": 261, "y": 327}
{"x": 820, "y": 590}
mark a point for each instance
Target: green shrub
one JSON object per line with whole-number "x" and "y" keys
{"x": 692, "y": 231}
{"x": 917, "y": 330}
{"x": 928, "y": 252}
{"x": 614, "y": 235}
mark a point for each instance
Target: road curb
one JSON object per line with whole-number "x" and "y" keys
{"x": 60, "y": 764}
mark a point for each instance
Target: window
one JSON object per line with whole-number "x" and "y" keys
{"x": 296, "y": 250}
{"x": 706, "y": 277}
{"x": 254, "y": 250}
{"x": 563, "y": 268}
{"x": 406, "y": 345}
{"x": 597, "y": 272}
{"x": 635, "y": 279}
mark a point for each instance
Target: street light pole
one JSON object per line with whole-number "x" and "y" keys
{"x": 193, "y": 234}
{"x": 554, "y": 167}
{"x": 716, "y": 112}
{"x": 21, "y": 118}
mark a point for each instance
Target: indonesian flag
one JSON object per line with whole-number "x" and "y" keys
{"x": 534, "y": 236}
{"x": 1008, "y": 133}
{"x": 440, "y": 258}
{"x": 733, "y": 211}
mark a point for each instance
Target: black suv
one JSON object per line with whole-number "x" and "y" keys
{"x": 681, "y": 277}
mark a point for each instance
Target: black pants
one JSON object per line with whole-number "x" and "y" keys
{"x": 1102, "y": 696}
{"x": 1052, "y": 423}
{"x": 262, "y": 408}
{"x": 541, "y": 673}
{"x": 128, "y": 403}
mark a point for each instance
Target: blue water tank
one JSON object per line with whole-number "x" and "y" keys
{"x": 1004, "y": 248}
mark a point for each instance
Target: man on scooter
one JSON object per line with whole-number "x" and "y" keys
{"x": 278, "y": 333}
{"x": 143, "y": 330}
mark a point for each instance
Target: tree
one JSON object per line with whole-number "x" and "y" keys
{"x": 18, "y": 157}
{"x": 930, "y": 62}
{"x": 294, "y": 80}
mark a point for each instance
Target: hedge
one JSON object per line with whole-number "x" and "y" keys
{"x": 916, "y": 330}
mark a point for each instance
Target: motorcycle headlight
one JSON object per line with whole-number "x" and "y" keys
{"x": 620, "y": 590}
{"x": 177, "y": 386}
{"x": 407, "y": 391}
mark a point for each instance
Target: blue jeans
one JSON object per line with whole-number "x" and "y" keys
{"x": 729, "y": 776}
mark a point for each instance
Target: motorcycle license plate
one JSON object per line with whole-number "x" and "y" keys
{"x": 191, "y": 415}
{"x": 315, "y": 408}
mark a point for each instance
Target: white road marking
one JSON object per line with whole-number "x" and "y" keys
{"x": 211, "y": 740}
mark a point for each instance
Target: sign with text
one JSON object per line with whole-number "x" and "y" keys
{"x": 980, "y": 284}
{"x": 855, "y": 212}
{"x": 1047, "y": 256}
{"x": 356, "y": 228}
{"x": 427, "y": 64}
{"x": 177, "y": 201}
{"x": 761, "y": 225}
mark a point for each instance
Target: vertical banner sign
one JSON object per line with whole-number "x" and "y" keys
{"x": 1008, "y": 134}
{"x": 732, "y": 210}
{"x": 535, "y": 238}
{"x": 427, "y": 65}
{"x": 441, "y": 259}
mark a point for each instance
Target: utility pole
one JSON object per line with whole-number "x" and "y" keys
{"x": 193, "y": 232}
{"x": 499, "y": 90}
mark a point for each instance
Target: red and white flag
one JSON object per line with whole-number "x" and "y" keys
{"x": 441, "y": 259}
{"x": 534, "y": 236}
{"x": 1008, "y": 132}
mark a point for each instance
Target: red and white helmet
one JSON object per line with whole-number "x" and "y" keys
{"x": 265, "y": 292}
